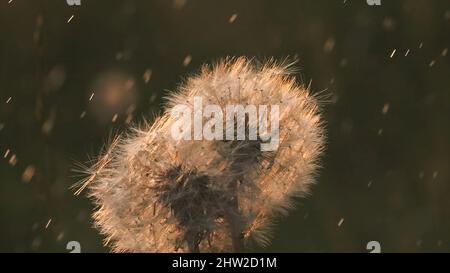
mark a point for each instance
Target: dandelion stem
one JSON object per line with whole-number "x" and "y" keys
{"x": 233, "y": 219}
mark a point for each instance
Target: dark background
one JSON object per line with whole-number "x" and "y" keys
{"x": 385, "y": 173}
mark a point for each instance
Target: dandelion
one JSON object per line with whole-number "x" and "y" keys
{"x": 154, "y": 193}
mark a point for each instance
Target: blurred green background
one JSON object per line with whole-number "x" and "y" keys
{"x": 385, "y": 175}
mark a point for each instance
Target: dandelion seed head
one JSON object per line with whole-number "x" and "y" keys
{"x": 154, "y": 193}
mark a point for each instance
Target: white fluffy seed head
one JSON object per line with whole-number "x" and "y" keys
{"x": 157, "y": 194}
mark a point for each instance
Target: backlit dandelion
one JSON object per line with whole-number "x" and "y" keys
{"x": 158, "y": 194}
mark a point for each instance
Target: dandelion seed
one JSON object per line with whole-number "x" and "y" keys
{"x": 232, "y": 18}
{"x": 393, "y": 53}
{"x": 385, "y": 109}
{"x": 369, "y": 184}
{"x": 343, "y": 62}
{"x": 28, "y": 174}
{"x": 129, "y": 84}
{"x": 341, "y": 222}
{"x": 407, "y": 52}
{"x": 432, "y": 63}
{"x": 179, "y": 4}
{"x": 187, "y": 60}
{"x": 421, "y": 175}
{"x": 8, "y": 100}
{"x": 83, "y": 114}
{"x": 157, "y": 194}
{"x": 420, "y": 45}
{"x": 6, "y": 153}
{"x": 70, "y": 19}
{"x": 114, "y": 118}
{"x": 435, "y": 174}
{"x": 47, "y": 127}
{"x": 60, "y": 236}
{"x": 13, "y": 160}
{"x": 119, "y": 56}
{"x": 48, "y": 223}
{"x": 444, "y": 52}
{"x": 419, "y": 243}
{"x": 92, "y": 96}
{"x": 147, "y": 75}
{"x": 329, "y": 45}
{"x": 388, "y": 24}
{"x": 129, "y": 119}
{"x": 36, "y": 243}
{"x": 35, "y": 226}
{"x": 10, "y": 1}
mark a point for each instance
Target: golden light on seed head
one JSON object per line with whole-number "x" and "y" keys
{"x": 157, "y": 194}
